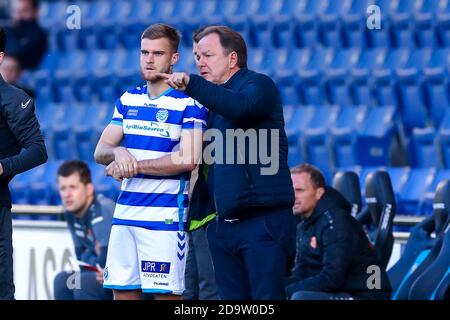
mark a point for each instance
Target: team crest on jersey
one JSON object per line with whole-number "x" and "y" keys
{"x": 162, "y": 115}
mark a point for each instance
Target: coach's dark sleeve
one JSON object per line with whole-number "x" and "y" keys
{"x": 255, "y": 99}
{"x": 22, "y": 122}
{"x": 337, "y": 247}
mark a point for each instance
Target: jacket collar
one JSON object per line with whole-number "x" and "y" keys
{"x": 2, "y": 81}
{"x": 235, "y": 76}
{"x": 329, "y": 200}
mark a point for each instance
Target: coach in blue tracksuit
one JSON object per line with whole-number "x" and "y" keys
{"x": 21, "y": 148}
{"x": 89, "y": 218}
{"x": 253, "y": 237}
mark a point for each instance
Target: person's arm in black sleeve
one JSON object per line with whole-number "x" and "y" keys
{"x": 255, "y": 101}
{"x": 337, "y": 247}
{"x": 24, "y": 125}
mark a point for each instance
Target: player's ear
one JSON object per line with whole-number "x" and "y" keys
{"x": 319, "y": 193}
{"x": 174, "y": 59}
{"x": 2, "y": 55}
{"x": 90, "y": 188}
{"x": 233, "y": 59}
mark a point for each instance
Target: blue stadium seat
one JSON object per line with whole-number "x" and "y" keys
{"x": 424, "y": 21}
{"x": 443, "y": 25}
{"x": 374, "y": 142}
{"x": 381, "y": 37}
{"x": 337, "y": 84}
{"x": 290, "y": 7}
{"x": 84, "y": 143}
{"x": 186, "y": 63}
{"x": 296, "y": 117}
{"x": 436, "y": 86}
{"x": 283, "y": 62}
{"x": 82, "y": 88}
{"x": 289, "y": 91}
{"x": 410, "y": 91}
{"x": 130, "y": 36}
{"x": 315, "y": 142}
{"x": 426, "y": 285}
{"x": 105, "y": 88}
{"x": 69, "y": 62}
{"x": 40, "y": 193}
{"x": 260, "y": 33}
{"x": 414, "y": 190}
{"x": 402, "y": 33}
{"x": 354, "y": 24}
{"x": 426, "y": 206}
{"x": 46, "y": 92}
{"x": 360, "y": 80}
{"x": 347, "y": 183}
{"x": 444, "y": 140}
{"x": 95, "y": 12}
{"x": 255, "y": 58}
{"x": 50, "y": 62}
{"x": 399, "y": 177}
{"x": 311, "y": 80}
{"x": 306, "y": 25}
{"x": 379, "y": 214}
{"x": 20, "y": 188}
{"x": 64, "y": 89}
{"x": 343, "y": 135}
{"x": 423, "y": 149}
{"x": 282, "y": 32}
{"x": 50, "y": 13}
{"x": 63, "y": 142}
{"x": 330, "y": 23}
{"x": 383, "y": 83}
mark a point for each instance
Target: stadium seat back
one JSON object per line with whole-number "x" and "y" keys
{"x": 347, "y": 183}
{"x": 381, "y": 204}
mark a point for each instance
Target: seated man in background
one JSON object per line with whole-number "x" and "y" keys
{"x": 334, "y": 260}
{"x": 11, "y": 71}
{"x": 89, "y": 219}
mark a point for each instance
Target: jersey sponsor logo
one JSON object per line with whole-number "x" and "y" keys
{"x": 155, "y": 267}
{"x": 132, "y": 113}
{"x": 25, "y": 104}
{"x": 154, "y": 127}
{"x": 162, "y": 115}
{"x": 313, "y": 242}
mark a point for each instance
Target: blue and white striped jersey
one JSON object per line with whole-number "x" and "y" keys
{"x": 152, "y": 129}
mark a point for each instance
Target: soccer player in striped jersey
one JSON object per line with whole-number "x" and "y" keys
{"x": 152, "y": 144}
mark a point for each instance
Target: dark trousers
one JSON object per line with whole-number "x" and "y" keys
{"x": 199, "y": 277}
{"x": 88, "y": 289}
{"x": 250, "y": 256}
{"x": 6, "y": 255}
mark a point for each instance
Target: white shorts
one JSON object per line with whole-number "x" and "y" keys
{"x": 151, "y": 260}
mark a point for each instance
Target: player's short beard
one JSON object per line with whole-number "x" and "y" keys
{"x": 154, "y": 79}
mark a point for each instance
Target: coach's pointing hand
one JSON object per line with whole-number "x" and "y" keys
{"x": 177, "y": 80}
